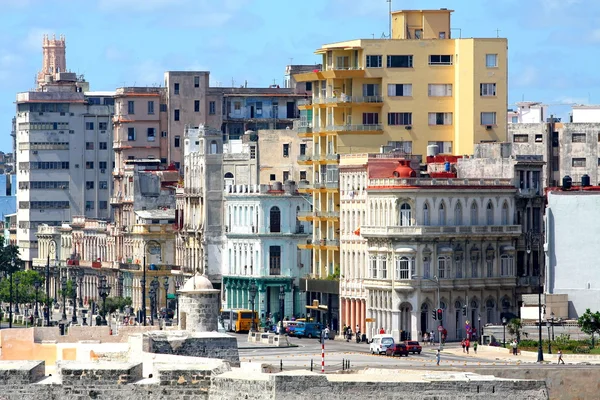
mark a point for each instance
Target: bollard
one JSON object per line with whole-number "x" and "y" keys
{"x": 280, "y": 365}
{"x": 311, "y": 364}
{"x": 343, "y": 364}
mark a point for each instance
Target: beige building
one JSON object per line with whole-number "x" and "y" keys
{"x": 283, "y": 156}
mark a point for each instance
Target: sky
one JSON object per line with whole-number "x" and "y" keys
{"x": 553, "y": 44}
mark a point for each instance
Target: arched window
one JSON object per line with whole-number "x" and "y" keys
{"x": 426, "y": 214}
{"x": 403, "y": 266}
{"x": 490, "y": 305}
{"x": 213, "y": 147}
{"x": 505, "y": 214}
{"x": 458, "y": 214}
{"x": 442, "y": 214}
{"x": 442, "y": 266}
{"x": 474, "y": 213}
{"x": 489, "y": 213}
{"x": 229, "y": 181}
{"x": 506, "y": 265}
{"x": 275, "y": 219}
{"x": 405, "y": 215}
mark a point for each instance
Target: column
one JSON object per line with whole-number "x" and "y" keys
{"x": 414, "y": 329}
{"x": 363, "y": 327}
{"x": 353, "y": 314}
{"x": 359, "y": 315}
{"x": 346, "y": 311}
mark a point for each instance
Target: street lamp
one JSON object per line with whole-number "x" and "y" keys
{"x": 479, "y": 328}
{"x": 252, "y": 291}
{"x": 154, "y": 285}
{"x": 103, "y": 292}
{"x": 177, "y": 286}
{"x": 64, "y": 296}
{"x": 281, "y": 307}
{"x": 36, "y": 284}
{"x": 551, "y": 326}
{"x": 530, "y": 241}
{"x": 80, "y": 277}
{"x": 504, "y": 321}
{"x": 143, "y": 282}
{"x": 17, "y": 281}
{"x": 152, "y": 294}
{"x": 56, "y": 279}
{"x": 121, "y": 290}
{"x": 166, "y": 286}
{"x": 10, "y": 305}
{"x": 47, "y": 306}
{"x": 552, "y": 319}
{"x": 74, "y": 281}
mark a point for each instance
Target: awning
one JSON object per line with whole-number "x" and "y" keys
{"x": 405, "y": 250}
{"x": 445, "y": 249}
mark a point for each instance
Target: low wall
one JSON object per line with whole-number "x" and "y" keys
{"x": 199, "y": 344}
{"x": 77, "y": 333}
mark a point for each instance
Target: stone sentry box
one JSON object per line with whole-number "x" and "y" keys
{"x": 199, "y": 305}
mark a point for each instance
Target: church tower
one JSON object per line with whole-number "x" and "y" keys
{"x": 54, "y": 59}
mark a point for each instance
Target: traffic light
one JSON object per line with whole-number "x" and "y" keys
{"x": 434, "y": 314}
{"x": 440, "y": 314}
{"x": 464, "y": 309}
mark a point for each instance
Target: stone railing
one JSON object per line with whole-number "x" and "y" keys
{"x": 439, "y": 230}
{"x": 387, "y": 182}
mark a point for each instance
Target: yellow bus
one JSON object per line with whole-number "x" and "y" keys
{"x": 238, "y": 320}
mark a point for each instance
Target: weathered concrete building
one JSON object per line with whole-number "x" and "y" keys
{"x": 283, "y": 156}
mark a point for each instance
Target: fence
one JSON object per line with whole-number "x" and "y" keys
{"x": 315, "y": 365}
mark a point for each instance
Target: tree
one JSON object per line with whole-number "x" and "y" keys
{"x": 116, "y": 303}
{"x": 70, "y": 292}
{"x": 8, "y": 254}
{"x": 25, "y": 289}
{"x": 589, "y": 323}
{"x": 515, "y": 328}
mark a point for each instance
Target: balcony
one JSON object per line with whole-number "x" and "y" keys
{"x": 305, "y": 159}
{"x": 304, "y": 104}
{"x": 392, "y": 182}
{"x": 336, "y": 71}
{"x": 304, "y": 187}
{"x": 528, "y": 192}
{"x": 308, "y": 245}
{"x": 355, "y": 129}
{"x": 329, "y": 215}
{"x": 306, "y": 215}
{"x": 143, "y": 229}
{"x": 441, "y": 231}
{"x": 305, "y": 131}
{"x": 345, "y": 100}
{"x": 444, "y": 284}
{"x": 328, "y": 158}
{"x": 332, "y": 244}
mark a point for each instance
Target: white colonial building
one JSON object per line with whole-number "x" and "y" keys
{"x": 404, "y": 239}
{"x": 262, "y": 233}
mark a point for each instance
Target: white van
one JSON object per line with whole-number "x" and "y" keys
{"x": 380, "y": 343}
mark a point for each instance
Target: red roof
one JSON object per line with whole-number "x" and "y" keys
{"x": 387, "y": 167}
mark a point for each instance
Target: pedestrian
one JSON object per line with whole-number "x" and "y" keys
{"x": 432, "y": 338}
{"x": 514, "y": 347}
{"x": 438, "y": 355}
{"x": 475, "y": 347}
{"x": 382, "y": 331}
{"x": 462, "y": 343}
{"x": 560, "y": 359}
{"x": 327, "y": 332}
{"x": 467, "y": 344}
{"x": 425, "y": 338}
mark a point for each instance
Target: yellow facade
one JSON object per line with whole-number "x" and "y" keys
{"x": 356, "y": 107}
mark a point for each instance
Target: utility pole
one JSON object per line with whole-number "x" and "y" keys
{"x": 390, "y": 17}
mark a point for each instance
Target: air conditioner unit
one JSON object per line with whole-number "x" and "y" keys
{"x": 62, "y": 113}
{"x": 72, "y": 114}
{"x": 71, "y": 131}
{"x": 102, "y": 171}
{"x": 63, "y": 187}
{"x": 488, "y": 127}
{"x": 34, "y": 152}
{"x": 102, "y": 131}
{"x": 41, "y": 113}
{"x": 408, "y": 127}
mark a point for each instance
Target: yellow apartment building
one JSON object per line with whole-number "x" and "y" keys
{"x": 419, "y": 91}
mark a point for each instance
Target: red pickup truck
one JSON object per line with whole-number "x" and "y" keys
{"x": 413, "y": 347}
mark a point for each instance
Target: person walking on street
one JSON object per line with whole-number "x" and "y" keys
{"x": 438, "y": 355}
{"x": 514, "y": 347}
{"x": 462, "y": 343}
{"x": 467, "y": 345}
{"x": 432, "y": 338}
{"x": 560, "y": 359}
{"x": 475, "y": 347}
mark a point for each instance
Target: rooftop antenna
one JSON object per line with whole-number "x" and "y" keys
{"x": 390, "y": 16}
{"x": 291, "y": 61}
{"x": 497, "y": 33}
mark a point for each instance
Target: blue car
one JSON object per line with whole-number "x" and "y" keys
{"x": 307, "y": 329}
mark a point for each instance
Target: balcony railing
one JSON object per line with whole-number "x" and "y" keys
{"x": 336, "y": 67}
{"x": 439, "y": 230}
{"x": 304, "y": 102}
{"x": 387, "y": 182}
{"x": 350, "y": 128}
{"x": 332, "y": 242}
{"x": 347, "y": 99}
{"x": 305, "y": 128}
{"x": 305, "y": 157}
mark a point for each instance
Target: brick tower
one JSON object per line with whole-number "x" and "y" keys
{"x": 54, "y": 59}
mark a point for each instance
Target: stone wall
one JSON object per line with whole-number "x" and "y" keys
{"x": 201, "y": 309}
{"x": 77, "y": 333}
{"x": 199, "y": 344}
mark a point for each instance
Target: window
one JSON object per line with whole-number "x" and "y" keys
{"x": 539, "y": 138}
{"x": 474, "y": 214}
{"x": 176, "y": 115}
{"x": 163, "y": 108}
{"x": 490, "y": 268}
{"x": 578, "y": 138}
{"x": 442, "y": 35}
{"x": 286, "y": 149}
{"x": 418, "y": 33}
{"x": 489, "y": 213}
{"x": 400, "y": 89}
{"x": 399, "y": 61}
{"x": 286, "y": 176}
{"x": 89, "y": 145}
{"x": 491, "y": 60}
{"x": 505, "y": 220}
{"x": 151, "y": 107}
{"x": 370, "y": 89}
{"x": 176, "y": 88}
{"x": 89, "y": 165}
{"x": 440, "y": 59}
{"x": 373, "y": 262}
{"x": 103, "y": 185}
{"x": 103, "y": 145}
{"x": 426, "y": 267}
{"x": 102, "y": 165}
{"x": 89, "y": 126}
{"x": 440, "y": 118}
{"x": 398, "y": 118}
{"x": 196, "y": 105}
{"x": 405, "y": 215}
{"x": 177, "y": 141}
{"x": 474, "y": 267}
{"x": 506, "y": 265}
{"x": 578, "y": 162}
{"x": 442, "y": 266}
{"x": 515, "y": 120}
{"x": 89, "y": 205}
{"x": 212, "y": 108}
{"x": 373, "y": 61}
{"x": 102, "y": 126}
{"x": 130, "y": 134}
{"x": 237, "y": 106}
{"x": 442, "y": 214}
{"x": 458, "y": 214}
{"x": 272, "y": 177}
{"x": 426, "y": 220}
{"x": 370, "y": 118}
{"x": 487, "y": 89}
{"x": 403, "y": 268}
{"x": 488, "y": 118}
{"x": 521, "y": 138}
{"x": 214, "y": 148}
{"x": 439, "y": 90}
{"x": 151, "y": 134}
{"x": 274, "y": 260}
{"x": 274, "y": 220}
{"x": 252, "y": 152}
{"x": 131, "y": 107}
{"x": 302, "y": 175}
{"x": 302, "y": 149}
{"x": 89, "y": 185}
{"x": 103, "y": 205}
{"x": 308, "y": 86}
{"x": 196, "y": 81}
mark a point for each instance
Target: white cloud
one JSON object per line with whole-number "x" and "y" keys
{"x": 556, "y": 5}
{"x": 568, "y": 100}
{"x": 147, "y": 73}
{"x": 137, "y": 5}
{"x": 526, "y": 76}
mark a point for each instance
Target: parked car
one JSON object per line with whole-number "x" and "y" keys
{"x": 380, "y": 343}
{"x": 413, "y": 347}
{"x": 397, "y": 349}
{"x": 307, "y": 329}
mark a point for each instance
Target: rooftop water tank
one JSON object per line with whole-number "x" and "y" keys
{"x": 433, "y": 150}
{"x": 585, "y": 180}
{"x": 567, "y": 182}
